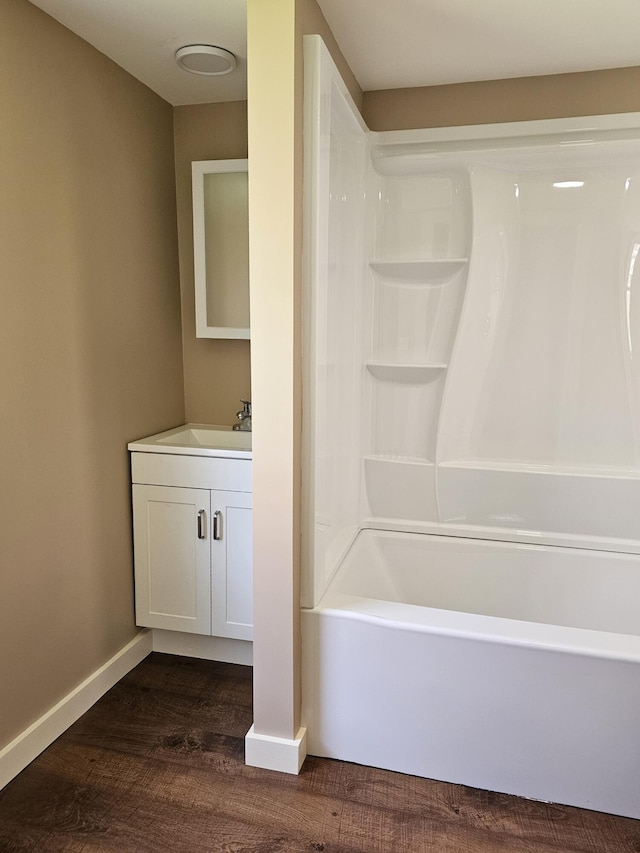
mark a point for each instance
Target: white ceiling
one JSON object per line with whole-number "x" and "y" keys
{"x": 143, "y": 35}
{"x": 388, "y": 43}
{"x": 397, "y": 43}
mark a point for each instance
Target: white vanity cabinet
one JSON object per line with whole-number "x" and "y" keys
{"x": 193, "y": 544}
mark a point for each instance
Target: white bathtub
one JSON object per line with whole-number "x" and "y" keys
{"x": 514, "y": 668}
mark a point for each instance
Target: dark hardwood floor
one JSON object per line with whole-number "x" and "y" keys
{"x": 157, "y": 765}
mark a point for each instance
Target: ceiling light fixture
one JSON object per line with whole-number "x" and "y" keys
{"x": 205, "y": 59}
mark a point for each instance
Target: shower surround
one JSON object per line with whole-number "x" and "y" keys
{"x": 471, "y": 575}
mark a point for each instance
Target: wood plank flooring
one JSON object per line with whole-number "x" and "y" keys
{"x": 157, "y": 765}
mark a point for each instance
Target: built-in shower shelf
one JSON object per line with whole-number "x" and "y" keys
{"x": 622, "y": 472}
{"x": 428, "y": 272}
{"x": 410, "y": 374}
{"x": 400, "y": 460}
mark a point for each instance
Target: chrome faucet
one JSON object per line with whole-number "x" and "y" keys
{"x": 244, "y": 417}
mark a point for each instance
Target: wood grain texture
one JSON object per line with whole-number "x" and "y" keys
{"x": 158, "y": 765}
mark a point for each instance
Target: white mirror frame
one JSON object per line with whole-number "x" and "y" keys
{"x": 199, "y": 169}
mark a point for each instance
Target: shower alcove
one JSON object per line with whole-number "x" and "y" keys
{"x": 416, "y": 282}
{"x": 471, "y": 522}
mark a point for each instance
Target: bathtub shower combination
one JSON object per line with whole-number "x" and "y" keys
{"x": 471, "y": 578}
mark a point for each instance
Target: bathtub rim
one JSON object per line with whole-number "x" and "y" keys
{"x": 490, "y": 629}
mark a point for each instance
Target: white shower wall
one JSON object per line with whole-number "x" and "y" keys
{"x": 336, "y": 154}
{"x": 560, "y": 386}
{"x": 471, "y": 323}
{"x": 539, "y": 424}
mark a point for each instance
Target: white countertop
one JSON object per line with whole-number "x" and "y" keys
{"x": 197, "y": 440}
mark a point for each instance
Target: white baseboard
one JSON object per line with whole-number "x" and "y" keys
{"x": 21, "y": 751}
{"x": 199, "y": 646}
{"x": 276, "y": 753}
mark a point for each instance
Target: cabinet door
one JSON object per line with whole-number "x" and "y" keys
{"x": 172, "y": 550}
{"x": 232, "y": 565}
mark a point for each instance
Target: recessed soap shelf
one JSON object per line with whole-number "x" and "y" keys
{"x": 397, "y": 459}
{"x": 410, "y": 374}
{"x": 429, "y": 272}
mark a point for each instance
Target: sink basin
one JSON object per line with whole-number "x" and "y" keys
{"x": 198, "y": 440}
{"x": 209, "y": 437}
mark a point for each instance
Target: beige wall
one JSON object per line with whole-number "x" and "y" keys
{"x": 555, "y": 96}
{"x": 275, "y": 217}
{"x": 217, "y": 373}
{"x": 89, "y": 348}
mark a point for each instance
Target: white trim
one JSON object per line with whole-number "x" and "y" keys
{"x": 21, "y": 751}
{"x": 200, "y": 168}
{"x": 276, "y": 753}
{"x": 200, "y": 646}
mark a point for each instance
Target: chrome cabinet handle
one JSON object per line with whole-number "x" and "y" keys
{"x": 202, "y": 530}
{"x": 217, "y": 525}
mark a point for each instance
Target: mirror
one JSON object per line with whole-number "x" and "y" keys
{"x": 221, "y": 248}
